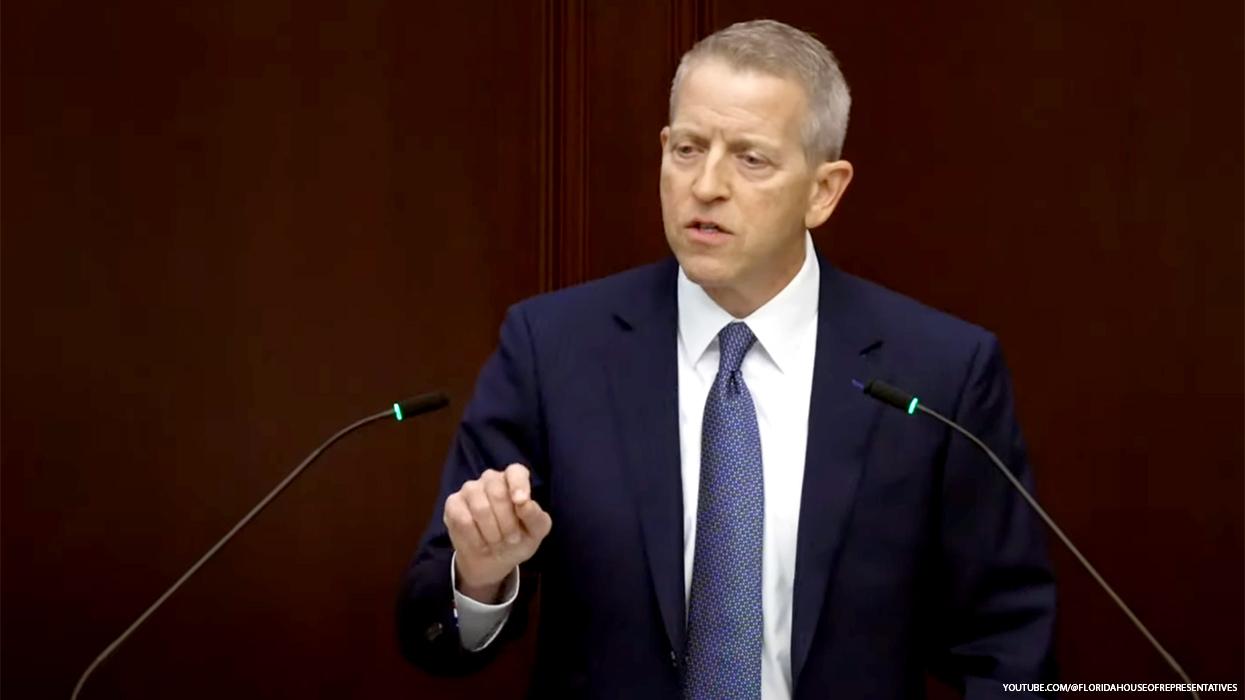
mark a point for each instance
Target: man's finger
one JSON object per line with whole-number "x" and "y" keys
{"x": 460, "y": 525}
{"x": 503, "y": 510}
{"x": 519, "y": 482}
{"x": 482, "y": 513}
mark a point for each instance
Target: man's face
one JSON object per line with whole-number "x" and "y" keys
{"x": 736, "y": 189}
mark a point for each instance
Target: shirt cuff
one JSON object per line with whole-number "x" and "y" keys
{"x": 479, "y": 623}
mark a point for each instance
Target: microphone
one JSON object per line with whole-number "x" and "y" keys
{"x": 409, "y": 408}
{"x": 894, "y": 396}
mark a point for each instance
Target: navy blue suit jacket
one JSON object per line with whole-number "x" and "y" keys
{"x": 913, "y": 554}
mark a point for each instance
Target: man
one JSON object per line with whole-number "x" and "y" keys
{"x": 679, "y": 455}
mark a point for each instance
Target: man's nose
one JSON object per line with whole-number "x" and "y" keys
{"x": 711, "y": 183}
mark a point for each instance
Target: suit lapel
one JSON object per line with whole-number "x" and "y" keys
{"x": 644, "y": 383}
{"x": 840, "y": 421}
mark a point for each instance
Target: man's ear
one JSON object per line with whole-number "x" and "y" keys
{"x": 830, "y": 180}
{"x": 665, "y": 138}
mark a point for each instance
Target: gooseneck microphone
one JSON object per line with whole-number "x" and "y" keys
{"x": 414, "y": 406}
{"x": 905, "y": 401}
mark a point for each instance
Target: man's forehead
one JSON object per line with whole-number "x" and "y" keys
{"x": 714, "y": 91}
{"x": 713, "y": 72}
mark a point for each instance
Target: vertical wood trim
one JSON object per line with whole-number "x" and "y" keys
{"x": 690, "y": 21}
{"x": 545, "y": 215}
{"x": 564, "y": 145}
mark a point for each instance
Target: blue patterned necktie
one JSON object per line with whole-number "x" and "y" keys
{"x": 724, "y": 625}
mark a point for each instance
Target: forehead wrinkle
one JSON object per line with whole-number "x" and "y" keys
{"x": 733, "y": 134}
{"x": 764, "y": 113}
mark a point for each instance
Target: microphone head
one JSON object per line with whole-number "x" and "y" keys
{"x": 424, "y": 403}
{"x": 891, "y": 395}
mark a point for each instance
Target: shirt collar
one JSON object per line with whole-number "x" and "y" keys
{"x": 776, "y": 325}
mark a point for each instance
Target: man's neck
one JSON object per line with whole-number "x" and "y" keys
{"x": 743, "y": 300}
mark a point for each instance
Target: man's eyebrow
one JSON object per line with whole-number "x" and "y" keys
{"x": 687, "y": 132}
{"x": 736, "y": 143}
{"x": 747, "y": 142}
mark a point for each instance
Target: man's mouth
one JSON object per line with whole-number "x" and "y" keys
{"x": 707, "y": 227}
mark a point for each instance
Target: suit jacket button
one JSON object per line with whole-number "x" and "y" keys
{"x": 674, "y": 659}
{"x": 434, "y": 630}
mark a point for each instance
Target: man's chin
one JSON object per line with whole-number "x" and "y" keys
{"x": 707, "y": 273}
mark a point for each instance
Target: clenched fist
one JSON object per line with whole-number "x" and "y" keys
{"x": 494, "y": 526}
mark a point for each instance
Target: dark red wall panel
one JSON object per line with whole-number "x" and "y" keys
{"x": 228, "y": 229}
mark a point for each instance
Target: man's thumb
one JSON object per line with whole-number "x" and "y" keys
{"x": 535, "y": 519}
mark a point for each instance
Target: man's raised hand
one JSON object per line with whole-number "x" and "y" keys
{"x": 494, "y": 526}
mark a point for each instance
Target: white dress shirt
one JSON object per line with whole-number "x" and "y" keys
{"x": 778, "y": 371}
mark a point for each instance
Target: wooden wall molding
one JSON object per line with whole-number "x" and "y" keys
{"x": 690, "y": 21}
{"x": 563, "y": 145}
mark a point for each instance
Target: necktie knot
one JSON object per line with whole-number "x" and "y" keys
{"x": 734, "y": 341}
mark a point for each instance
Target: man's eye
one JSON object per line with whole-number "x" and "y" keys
{"x": 684, "y": 150}
{"x": 753, "y": 161}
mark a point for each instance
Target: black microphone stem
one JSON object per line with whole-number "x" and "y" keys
{"x": 1171, "y": 661}
{"x": 411, "y": 407}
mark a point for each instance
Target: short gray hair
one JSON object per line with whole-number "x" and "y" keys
{"x": 779, "y": 49}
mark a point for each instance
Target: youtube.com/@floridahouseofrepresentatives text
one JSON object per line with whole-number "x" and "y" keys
{"x": 1120, "y": 687}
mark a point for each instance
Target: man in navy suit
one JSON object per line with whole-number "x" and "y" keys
{"x": 678, "y": 456}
